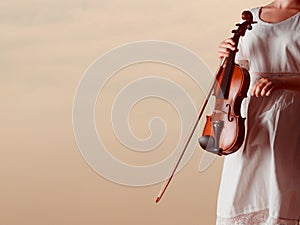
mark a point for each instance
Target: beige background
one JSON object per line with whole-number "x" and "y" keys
{"x": 45, "y": 48}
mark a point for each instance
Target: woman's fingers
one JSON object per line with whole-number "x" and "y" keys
{"x": 263, "y": 87}
{"x": 225, "y": 47}
{"x": 259, "y": 87}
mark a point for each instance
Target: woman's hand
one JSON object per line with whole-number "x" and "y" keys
{"x": 225, "y": 47}
{"x": 265, "y": 86}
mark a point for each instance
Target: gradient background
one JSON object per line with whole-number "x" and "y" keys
{"x": 45, "y": 48}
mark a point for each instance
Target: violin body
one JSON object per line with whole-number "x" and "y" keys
{"x": 224, "y": 129}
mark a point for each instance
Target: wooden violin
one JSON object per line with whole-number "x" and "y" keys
{"x": 224, "y": 130}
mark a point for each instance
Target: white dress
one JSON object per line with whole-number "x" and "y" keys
{"x": 261, "y": 182}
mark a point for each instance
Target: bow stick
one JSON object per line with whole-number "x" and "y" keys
{"x": 167, "y": 182}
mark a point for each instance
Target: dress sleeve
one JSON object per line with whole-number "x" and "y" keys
{"x": 240, "y": 57}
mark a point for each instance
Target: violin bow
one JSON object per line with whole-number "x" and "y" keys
{"x": 203, "y": 106}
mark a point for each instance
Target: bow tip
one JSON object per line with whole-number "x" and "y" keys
{"x": 157, "y": 199}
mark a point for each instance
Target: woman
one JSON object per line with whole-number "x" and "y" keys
{"x": 261, "y": 182}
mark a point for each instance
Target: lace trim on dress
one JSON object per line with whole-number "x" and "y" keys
{"x": 255, "y": 218}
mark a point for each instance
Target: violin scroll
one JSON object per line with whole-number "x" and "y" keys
{"x": 246, "y": 25}
{"x": 247, "y": 15}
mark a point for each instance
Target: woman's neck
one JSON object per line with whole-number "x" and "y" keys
{"x": 286, "y": 4}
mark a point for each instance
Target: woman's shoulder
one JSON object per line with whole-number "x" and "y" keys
{"x": 255, "y": 12}
{"x": 255, "y": 9}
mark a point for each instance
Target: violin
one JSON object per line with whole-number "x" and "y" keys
{"x": 224, "y": 129}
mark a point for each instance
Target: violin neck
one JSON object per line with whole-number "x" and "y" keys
{"x": 231, "y": 57}
{"x": 226, "y": 80}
